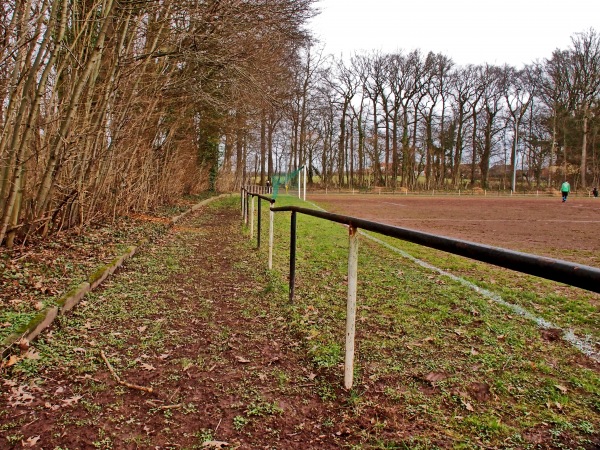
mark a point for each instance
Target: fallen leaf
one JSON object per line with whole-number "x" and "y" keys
{"x": 19, "y": 396}
{"x": 23, "y": 344}
{"x": 215, "y": 444}
{"x": 474, "y": 352}
{"x": 469, "y": 407}
{"x": 312, "y": 376}
{"x": 31, "y": 441}
{"x": 561, "y": 388}
{"x": 148, "y": 366}
{"x": 31, "y": 354}
{"x": 73, "y": 400}
{"x": 79, "y": 350}
{"x": 5, "y": 325}
{"x": 551, "y": 334}
{"x": 242, "y": 359}
{"x": 38, "y": 306}
{"x": 433, "y": 377}
{"x": 142, "y": 329}
{"x": 480, "y": 391}
{"x": 12, "y": 360}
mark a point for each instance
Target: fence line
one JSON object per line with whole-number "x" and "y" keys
{"x": 245, "y": 193}
{"x": 258, "y": 189}
{"x": 573, "y": 274}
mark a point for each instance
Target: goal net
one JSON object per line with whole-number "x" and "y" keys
{"x": 286, "y": 183}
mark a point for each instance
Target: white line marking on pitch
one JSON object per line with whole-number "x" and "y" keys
{"x": 391, "y": 203}
{"x": 585, "y": 346}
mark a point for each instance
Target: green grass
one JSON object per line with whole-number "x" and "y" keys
{"x": 495, "y": 381}
{"x": 413, "y": 322}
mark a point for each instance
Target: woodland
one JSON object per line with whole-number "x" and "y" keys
{"x": 111, "y": 107}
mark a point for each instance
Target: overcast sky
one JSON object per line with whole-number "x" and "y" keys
{"x": 515, "y": 32}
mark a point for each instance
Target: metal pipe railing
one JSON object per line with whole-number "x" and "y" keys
{"x": 574, "y": 274}
{"x": 570, "y": 273}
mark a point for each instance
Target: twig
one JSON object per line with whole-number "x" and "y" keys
{"x": 27, "y": 424}
{"x": 24, "y": 255}
{"x": 6, "y": 351}
{"x": 178, "y": 405}
{"x": 124, "y": 383}
{"x": 217, "y": 427}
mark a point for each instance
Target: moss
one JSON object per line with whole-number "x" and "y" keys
{"x": 67, "y": 295}
{"x": 8, "y": 342}
{"x": 33, "y": 323}
{"x": 115, "y": 261}
{"x": 97, "y": 274}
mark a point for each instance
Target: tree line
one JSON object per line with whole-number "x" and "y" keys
{"x": 111, "y": 107}
{"x": 108, "y": 107}
{"x": 418, "y": 121}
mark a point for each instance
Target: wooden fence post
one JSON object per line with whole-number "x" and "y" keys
{"x": 251, "y": 216}
{"x": 351, "y": 306}
{"x": 271, "y": 220}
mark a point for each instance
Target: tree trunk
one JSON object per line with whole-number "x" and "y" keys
{"x": 583, "y": 167}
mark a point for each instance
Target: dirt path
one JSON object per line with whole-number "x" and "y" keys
{"x": 190, "y": 317}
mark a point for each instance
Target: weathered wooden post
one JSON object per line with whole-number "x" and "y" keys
{"x": 242, "y": 201}
{"x": 292, "y": 255}
{"x": 351, "y": 306}
{"x": 251, "y": 216}
{"x": 259, "y": 222}
{"x": 304, "y": 182}
{"x": 271, "y": 220}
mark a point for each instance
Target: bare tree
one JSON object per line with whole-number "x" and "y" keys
{"x": 586, "y": 64}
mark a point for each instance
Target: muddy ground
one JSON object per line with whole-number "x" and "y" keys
{"x": 189, "y": 318}
{"x": 542, "y": 226}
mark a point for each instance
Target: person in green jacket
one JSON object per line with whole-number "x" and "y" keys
{"x": 565, "y": 188}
